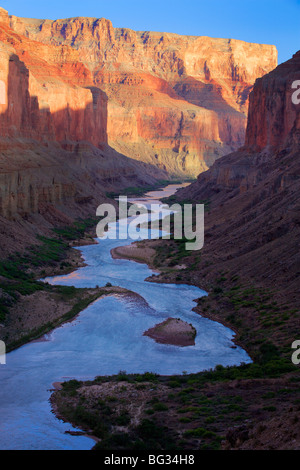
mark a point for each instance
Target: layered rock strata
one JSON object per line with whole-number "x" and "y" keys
{"x": 179, "y": 102}
{"x": 53, "y": 132}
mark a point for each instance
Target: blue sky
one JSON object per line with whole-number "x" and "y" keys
{"x": 263, "y": 21}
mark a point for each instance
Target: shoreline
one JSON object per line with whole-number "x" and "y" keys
{"x": 61, "y": 308}
{"x": 217, "y": 312}
{"x": 242, "y": 382}
{"x": 70, "y": 313}
{"x": 138, "y": 254}
{"x": 27, "y": 318}
{"x": 133, "y": 252}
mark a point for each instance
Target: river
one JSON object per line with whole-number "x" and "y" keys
{"x": 104, "y": 339}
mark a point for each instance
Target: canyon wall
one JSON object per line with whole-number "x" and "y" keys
{"x": 252, "y": 227}
{"x": 50, "y": 93}
{"x": 178, "y": 102}
{"x": 53, "y": 133}
{"x": 88, "y": 108}
{"x": 274, "y": 120}
{"x": 273, "y": 129}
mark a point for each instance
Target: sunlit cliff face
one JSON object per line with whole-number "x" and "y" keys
{"x": 174, "y": 102}
{"x": 179, "y": 102}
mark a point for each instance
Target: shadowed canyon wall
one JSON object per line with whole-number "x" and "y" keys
{"x": 179, "y": 102}
{"x": 253, "y": 226}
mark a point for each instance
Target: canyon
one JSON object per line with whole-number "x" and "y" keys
{"x": 252, "y": 224}
{"x": 55, "y": 161}
{"x": 83, "y": 97}
{"x": 178, "y": 102}
{"x": 250, "y": 267}
{"x": 87, "y": 110}
{"x": 90, "y": 109}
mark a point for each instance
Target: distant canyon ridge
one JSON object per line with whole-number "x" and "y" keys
{"x": 177, "y": 102}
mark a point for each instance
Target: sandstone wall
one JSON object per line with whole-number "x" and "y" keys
{"x": 44, "y": 100}
{"x": 273, "y": 132}
{"x": 274, "y": 120}
{"x": 184, "y": 99}
{"x": 53, "y": 133}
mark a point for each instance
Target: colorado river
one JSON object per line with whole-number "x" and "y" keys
{"x": 105, "y": 338}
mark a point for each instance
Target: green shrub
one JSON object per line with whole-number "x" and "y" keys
{"x": 123, "y": 419}
{"x": 160, "y": 407}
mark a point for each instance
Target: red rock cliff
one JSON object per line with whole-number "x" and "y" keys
{"x": 179, "y": 102}
{"x": 274, "y": 119}
{"x": 273, "y": 127}
{"x": 50, "y": 93}
{"x": 53, "y": 132}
